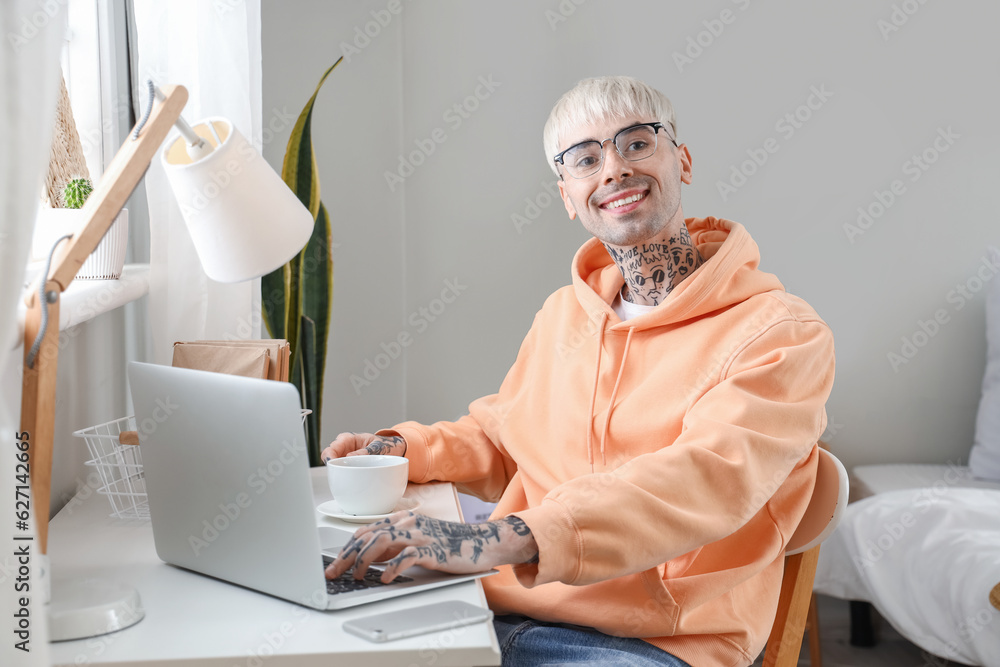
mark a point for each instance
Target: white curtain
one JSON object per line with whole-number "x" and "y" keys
{"x": 32, "y": 35}
{"x": 212, "y": 49}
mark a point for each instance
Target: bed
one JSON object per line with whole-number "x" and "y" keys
{"x": 922, "y": 543}
{"x": 923, "y": 547}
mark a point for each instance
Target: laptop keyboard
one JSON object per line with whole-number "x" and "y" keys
{"x": 346, "y": 582}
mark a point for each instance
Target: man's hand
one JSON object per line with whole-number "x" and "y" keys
{"x": 356, "y": 444}
{"x": 406, "y": 539}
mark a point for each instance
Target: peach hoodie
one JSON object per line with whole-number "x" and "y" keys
{"x": 661, "y": 463}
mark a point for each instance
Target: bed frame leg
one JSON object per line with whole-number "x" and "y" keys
{"x": 862, "y": 630}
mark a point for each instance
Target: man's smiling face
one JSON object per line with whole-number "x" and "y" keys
{"x": 626, "y": 203}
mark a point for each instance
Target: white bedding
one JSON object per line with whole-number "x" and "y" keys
{"x": 927, "y": 559}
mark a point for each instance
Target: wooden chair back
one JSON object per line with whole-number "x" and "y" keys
{"x": 801, "y": 555}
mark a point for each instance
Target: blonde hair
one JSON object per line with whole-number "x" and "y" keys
{"x": 593, "y": 100}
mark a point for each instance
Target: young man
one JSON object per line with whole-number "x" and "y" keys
{"x": 649, "y": 476}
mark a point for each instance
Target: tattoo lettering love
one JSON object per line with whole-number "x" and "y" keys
{"x": 652, "y": 270}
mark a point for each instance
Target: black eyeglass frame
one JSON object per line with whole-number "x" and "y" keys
{"x": 657, "y": 126}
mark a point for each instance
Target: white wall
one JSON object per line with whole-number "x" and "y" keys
{"x": 890, "y": 94}
{"x": 356, "y": 125}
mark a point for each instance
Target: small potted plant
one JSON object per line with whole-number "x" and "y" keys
{"x": 107, "y": 260}
{"x": 76, "y": 192}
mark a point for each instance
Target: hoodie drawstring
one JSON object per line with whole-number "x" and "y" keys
{"x": 593, "y": 398}
{"x": 614, "y": 394}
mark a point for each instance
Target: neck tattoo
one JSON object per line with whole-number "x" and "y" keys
{"x": 653, "y": 269}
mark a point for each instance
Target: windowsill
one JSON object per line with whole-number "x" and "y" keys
{"x": 86, "y": 299}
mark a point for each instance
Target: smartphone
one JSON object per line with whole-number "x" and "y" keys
{"x": 417, "y": 621}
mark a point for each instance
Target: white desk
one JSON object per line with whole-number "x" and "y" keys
{"x": 196, "y": 620}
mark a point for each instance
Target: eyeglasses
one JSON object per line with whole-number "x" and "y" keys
{"x": 633, "y": 143}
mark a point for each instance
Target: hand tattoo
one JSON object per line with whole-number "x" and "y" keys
{"x": 385, "y": 445}
{"x": 520, "y": 528}
{"x": 445, "y": 545}
{"x": 455, "y": 536}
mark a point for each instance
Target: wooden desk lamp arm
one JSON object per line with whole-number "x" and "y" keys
{"x": 38, "y": 390}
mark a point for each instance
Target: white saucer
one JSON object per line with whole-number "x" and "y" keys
{"x": 331, "y": 508}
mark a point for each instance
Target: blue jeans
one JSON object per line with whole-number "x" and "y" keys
{"x": 525, "y": 642}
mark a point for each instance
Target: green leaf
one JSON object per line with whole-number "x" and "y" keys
{"x": 280, "y": 288}
{"x": 272, "y": 299}
{"x": 297, "y": 297}
{"x": 293, "y": 305}
{"x": 310, "y": 397}
{"x": 299, "y": 168}
{"x": 316, "y": 289}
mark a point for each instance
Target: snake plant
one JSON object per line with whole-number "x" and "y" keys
{"x": 297, "y": 297}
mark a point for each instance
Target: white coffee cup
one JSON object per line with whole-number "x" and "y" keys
{"x": 367, "y": 484}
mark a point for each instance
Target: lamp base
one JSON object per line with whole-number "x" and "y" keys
{"x": 83, "y": 608}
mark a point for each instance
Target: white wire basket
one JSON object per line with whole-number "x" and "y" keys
{"x": 119, "y": 468}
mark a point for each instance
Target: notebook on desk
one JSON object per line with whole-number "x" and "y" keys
{"x": 230, "y": 495}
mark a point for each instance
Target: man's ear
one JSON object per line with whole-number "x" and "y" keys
{"x": 566, "y": 202}
{"x": 687, "y": 173}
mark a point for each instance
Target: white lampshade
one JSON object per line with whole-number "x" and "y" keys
{"x": 243, "y": 219}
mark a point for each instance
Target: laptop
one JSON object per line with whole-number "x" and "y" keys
{"x": 230, "y": 495}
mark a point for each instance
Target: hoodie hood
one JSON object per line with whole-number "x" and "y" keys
{"x": 728, "y": 275}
